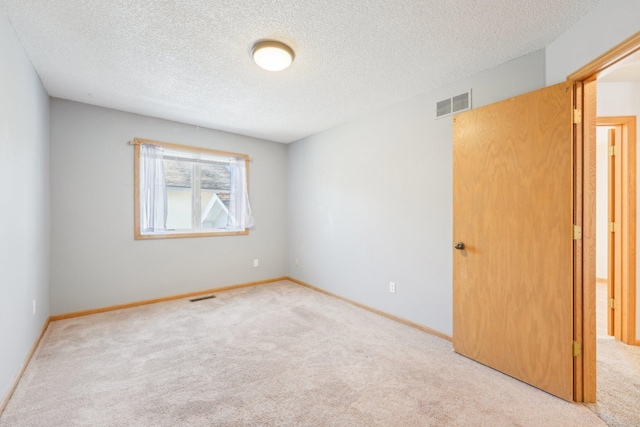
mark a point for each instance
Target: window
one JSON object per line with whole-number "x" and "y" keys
{"x": 185, "y": 191}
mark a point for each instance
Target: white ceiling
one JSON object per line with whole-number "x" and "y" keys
{"x": 189, "y": 60}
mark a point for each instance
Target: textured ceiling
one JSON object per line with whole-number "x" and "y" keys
{"x": 189, "y": 60}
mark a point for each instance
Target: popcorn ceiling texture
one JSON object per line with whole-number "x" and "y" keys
{"x": 189, "y": 61}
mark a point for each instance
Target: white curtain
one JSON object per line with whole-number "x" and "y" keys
{"x": 153, "y": 190}
{"x": 240, "y": 216}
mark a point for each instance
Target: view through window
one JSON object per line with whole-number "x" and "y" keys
{"x": 186, "y": 191}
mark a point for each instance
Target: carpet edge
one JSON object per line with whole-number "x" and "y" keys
{"x": 375, "y": 310}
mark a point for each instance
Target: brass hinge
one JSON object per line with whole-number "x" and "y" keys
{"x": 612, "y": 303}
{"x": 576, "y": 348}
{"x": 612, "y": 227}
{"x": 613, "y": 150}
{"x": 577, "y": 232}
{"x": 577, "y": 115}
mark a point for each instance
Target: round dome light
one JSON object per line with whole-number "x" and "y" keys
{"x": 272, "y": 56}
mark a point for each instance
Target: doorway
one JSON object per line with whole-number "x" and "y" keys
{"x": 584, "y": 209}
{"x": 566, "y": 308}
{"x": 616, "y": 226}
{"x": 617, "y": 359}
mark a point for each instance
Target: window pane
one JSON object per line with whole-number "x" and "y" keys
{"x": 194, "y": 192}
{"x": 214, "y": 180}
{"x": 179, "y": 179}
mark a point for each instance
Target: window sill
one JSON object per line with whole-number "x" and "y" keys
{"x": 139, "y": 236}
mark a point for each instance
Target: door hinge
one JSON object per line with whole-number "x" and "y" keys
{"x": 577, "y": 115}
{"x": 577, "y": 232}
{"x": 613, "y": 150}
{"x": 576, "y": 348}
{"x": 612, "y": 227}
{"x": 612, "y": 304}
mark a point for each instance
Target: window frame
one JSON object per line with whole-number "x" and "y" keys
{"x": 137, "y": 142}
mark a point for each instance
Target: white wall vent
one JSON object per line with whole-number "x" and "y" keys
{"x": 453, "y": 105}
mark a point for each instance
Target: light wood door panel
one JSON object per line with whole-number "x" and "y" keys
{"x": 615, "y": 237}
{"x": 513, "y": 282}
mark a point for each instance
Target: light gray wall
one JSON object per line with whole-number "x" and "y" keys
{"x": 371, "y": 201}
{"x": 609, "y": 24}
{"x": 24, "y": 205}
{"x": 95, "y": 260}
{"x": 623, "y": 99}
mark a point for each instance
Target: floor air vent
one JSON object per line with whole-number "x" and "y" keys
{"x": 202, "y": 298}
{"x": 453, "y": 105}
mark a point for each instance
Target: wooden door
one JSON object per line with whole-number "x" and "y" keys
{"x": 622, "y": 241}
{"x": 615, "y": 242}
{"x": 513, "y": 210}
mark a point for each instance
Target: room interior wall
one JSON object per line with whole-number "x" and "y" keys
{"x": 623, "y": 99}
{"x": 95, "y": 260}
{"x": 607, "y": 25}
{"x": 370, "y": 202}
{"x": 24, "y": 205}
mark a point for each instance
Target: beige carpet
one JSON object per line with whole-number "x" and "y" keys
{"x": 618, "y": 386}
{"x": 271, "y": 355}
{"x": 618, "y": 373}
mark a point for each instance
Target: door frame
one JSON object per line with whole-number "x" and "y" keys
{"x": 584, "y": 81}
{"x": 625, "y": 300}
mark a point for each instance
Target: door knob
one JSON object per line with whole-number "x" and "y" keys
{"x": 459, "y": 246}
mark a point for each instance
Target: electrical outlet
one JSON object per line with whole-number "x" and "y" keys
{"x": 297, "y": 261}
{"x": 392, "y": 287}
{"x": 34, "y": 307}
{"x": 255, "y": 262}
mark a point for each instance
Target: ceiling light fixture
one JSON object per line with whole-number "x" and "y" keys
{"x": 272, "y": 55}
